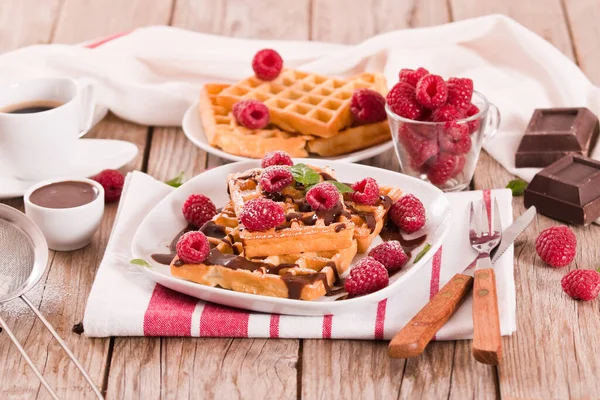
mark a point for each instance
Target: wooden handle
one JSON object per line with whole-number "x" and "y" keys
{"x": 414, "y": 337}
{"x": 487, "y": 342}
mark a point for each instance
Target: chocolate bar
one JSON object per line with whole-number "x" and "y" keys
{"x": 553, "y": 133}
{"x": 568, "y": 190}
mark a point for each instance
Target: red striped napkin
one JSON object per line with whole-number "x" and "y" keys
{"x": 124, "y": 302}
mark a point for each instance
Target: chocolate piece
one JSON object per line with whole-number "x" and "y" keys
{"x": 568, "y": 190}
{"x": 554, "y": 133}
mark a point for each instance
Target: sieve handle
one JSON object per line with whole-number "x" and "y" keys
{"x": 64, "y": 346}
{"x": 26, "y": 357}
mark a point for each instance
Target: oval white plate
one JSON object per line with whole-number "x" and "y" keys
{"x": 165, "y": 221}
{"x": 192, "y": 127}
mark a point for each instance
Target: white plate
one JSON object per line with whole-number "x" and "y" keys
{"x": 192, "y": 127}
{"x": 92, "y": 156}
{"x": 165, "y": 221}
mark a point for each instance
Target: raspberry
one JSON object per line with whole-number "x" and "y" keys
{"x": 275, "y": 178}
{"x": 390, "y": 254}
{"x": 367, "y": 106}
{"x": 276, "y": 158}
{"x": 366, "y": 192}
{"x": 193, "y": 247}
{"x": 419, "y": 148}
{"x": 431, "y": 91}
{"x": 252, "y": 114}
{"x": 581, "y": 284}
{"x": 408, "y": 213}
{"x": 267, "y": 64}
{"x": 445, "y": 113}
{"x": 412, "y": 76}
{"x": 261, "y": 214}
{"x": 454, "y": 138}
{"x": 323, "y": 196}
{"x": 460, "y": 91}
{"x": 198, "y": 210}
{"x": 470, "y": 111}
{"x": 445, "y": 166}
{"x": 402, "y": 101}
{"x": 112, "y": 181}
{"x": 367, "y": 276}
{"x": 556, "y": 246}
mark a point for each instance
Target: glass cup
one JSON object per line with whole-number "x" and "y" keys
{"x": 444, "y": 153}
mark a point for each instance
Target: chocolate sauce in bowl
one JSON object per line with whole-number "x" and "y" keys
{"x": 66, "y": 194}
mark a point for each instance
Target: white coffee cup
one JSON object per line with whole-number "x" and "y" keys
{"x": 38, "y": 144}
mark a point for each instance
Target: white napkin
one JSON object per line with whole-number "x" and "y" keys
{"x": 124, "y": 302}
{"x": 162, "y": 69}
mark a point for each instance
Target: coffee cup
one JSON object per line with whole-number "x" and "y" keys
{"x": 40, "y": 122}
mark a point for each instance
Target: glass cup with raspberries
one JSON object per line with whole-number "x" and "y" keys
{"x": 438, "y": 127}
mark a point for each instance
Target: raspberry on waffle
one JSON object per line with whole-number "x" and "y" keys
{"x": 303, "y": 102}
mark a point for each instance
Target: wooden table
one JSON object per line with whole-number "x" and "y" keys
{"x": 554, "y": 353}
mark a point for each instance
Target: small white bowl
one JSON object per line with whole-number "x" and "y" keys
{"x": 67, "y": 229}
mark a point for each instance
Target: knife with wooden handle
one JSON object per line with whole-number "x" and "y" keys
{"x": 416, "y": 335}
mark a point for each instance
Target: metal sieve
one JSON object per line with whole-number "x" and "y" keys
{"x": 23, "y": 260}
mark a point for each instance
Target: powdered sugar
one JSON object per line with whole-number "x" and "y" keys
{"x": 6, "y": 284}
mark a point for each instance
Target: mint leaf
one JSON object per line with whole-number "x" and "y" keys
{"x": 305, "y": 175}
{"x": 177, "y": 181}
{"x": 517, "y": 186}
{"x": 141, "y": 262}
{"x": 422, "y": 253}
{"x": 341, "y": 187}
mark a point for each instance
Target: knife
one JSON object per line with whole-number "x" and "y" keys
{"x": 416, "y": 335}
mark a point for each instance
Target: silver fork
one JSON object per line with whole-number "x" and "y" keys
{"x": 484, "y": 237}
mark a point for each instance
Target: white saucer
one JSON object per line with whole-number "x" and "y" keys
{"x": 92, "y": 156}
{"x": 192, "y": 127}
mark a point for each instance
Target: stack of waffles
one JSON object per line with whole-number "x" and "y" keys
{"x": 309, "y": 114}
{"x": 302, "y": 258}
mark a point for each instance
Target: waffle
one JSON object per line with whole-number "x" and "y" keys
{"x": 304, "y": 230}
{"x": 305, "y": 276}
{"x": 369, "y": 220}
{"x": 351, "y": 139}
{"x": 303, "y": 102}
{"x": 222, "y": 130}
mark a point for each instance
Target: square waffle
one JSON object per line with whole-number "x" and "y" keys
{"x": 305, "y": 276}
{"x": 351, "y": 139}
{"x": 222, "y": 130}
{"x": 303, "y": 102}
{"x": 303, "y": 231}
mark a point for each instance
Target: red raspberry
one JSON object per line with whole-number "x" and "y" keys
{"x": 581, "y": 284}
{"x": 445, "y": 166}
{"x": 454, "y": 138}
{"x": 276, "y": 158}
{"x": 112, "y": 181}
{"x": 431, "y": 91}
{"x": 261, "y": 215}
{"x": 367, "y": 276}
{"x": 470, "y": 111}
{"x": 252, "y": 114}
{"x": 390, "y": 254}
{"x": 267, "y": 64}
{"x": 408, "y": 213}
{"x": 323, "y": 196}
{"x": 402, "y": 101}
{"x": 366, "y": 192}
{"x": 419, "y": 148}
{"x": 556, "y": 246}
{"x": 412, "y": 76}
{"x": 275, "y": 178}
{"x": 460, "y": 91}
{"x": 198, "y": 210}
{"x": 445, "y": 113}
{"x": 367, "y": 106}
{"x": 193, "y": 247}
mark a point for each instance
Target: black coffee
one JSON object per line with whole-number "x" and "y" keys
{"x": 31, "y": 107}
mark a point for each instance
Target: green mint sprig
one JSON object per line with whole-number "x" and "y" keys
{"x": 176, "y": 181}
{"x": 422, "y": 253}
{"x": 308, "y": 177}
{"x": 517, "y": 186}
{"x": 141, "y": 262}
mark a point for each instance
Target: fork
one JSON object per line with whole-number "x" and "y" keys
{"x": 485, "y": 236}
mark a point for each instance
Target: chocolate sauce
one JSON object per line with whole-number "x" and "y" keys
{"x": 340, "y": 227}
{"x": 386, "y": 202}
{"x": 232, "y": 261}
{"x": 391, "y": 232}
{"x": 367, "y": 216}
{"x": 295, "y": 283}
{"x": 211, "y": 229}
{"x": 165, "y": 259}
{"x": 66, "y": 194}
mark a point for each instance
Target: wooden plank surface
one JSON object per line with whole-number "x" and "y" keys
{"x": 17, "y": 17}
